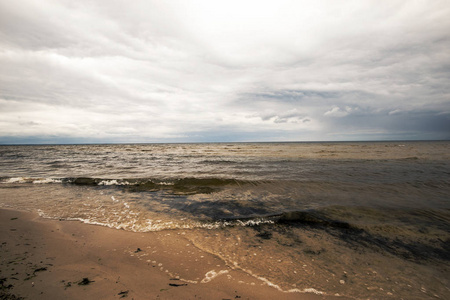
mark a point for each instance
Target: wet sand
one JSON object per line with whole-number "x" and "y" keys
{"x": 51, "y": 259}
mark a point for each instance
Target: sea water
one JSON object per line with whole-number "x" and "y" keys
{"x": 357, "y": 219}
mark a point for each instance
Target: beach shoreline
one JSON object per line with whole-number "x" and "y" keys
{"x": 44, "y": 258}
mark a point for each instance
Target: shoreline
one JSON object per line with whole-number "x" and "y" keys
{"x": 45, "y": 258}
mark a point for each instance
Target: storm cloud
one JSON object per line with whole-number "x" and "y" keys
{"x": 195, "y": 71}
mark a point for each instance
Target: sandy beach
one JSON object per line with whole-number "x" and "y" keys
{"x": 51, "y": 259}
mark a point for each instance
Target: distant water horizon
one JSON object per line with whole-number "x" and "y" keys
{"x": 215, "y": 142}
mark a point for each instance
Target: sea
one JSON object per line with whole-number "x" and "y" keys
{"x": 362, "y": 220}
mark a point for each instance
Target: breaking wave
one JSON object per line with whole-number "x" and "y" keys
{"x": 175, "y": 185}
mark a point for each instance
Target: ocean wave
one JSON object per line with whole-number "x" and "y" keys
{"x": 29, "y": 180}
{"x": 148, "y": 225}
{"x": 186, "y": 186}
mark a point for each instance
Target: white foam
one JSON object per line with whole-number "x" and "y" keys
{"x": 17, "y": 180}
{"x": 222, "y": 224}
{"x": 271, "y": 284}
{"x": 108, "y": 182}
{"x": 128, "y": 219}
{"x": 47, "y": 180}
{"x": 212, "y": 274}
{"x": 32, "y": 180}
{"x": 166, "y": 183}
{"x": 114, "y": 182}
{"x": 306, "y": 290}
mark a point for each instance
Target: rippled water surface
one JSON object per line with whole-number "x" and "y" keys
{"x": 363, "y": 220}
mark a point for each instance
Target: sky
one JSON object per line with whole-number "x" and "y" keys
{"x": 117, "y": 71}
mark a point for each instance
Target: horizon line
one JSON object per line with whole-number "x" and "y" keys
{"x": 223, "y": 142}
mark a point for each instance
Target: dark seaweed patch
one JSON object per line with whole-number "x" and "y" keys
{"x": 224, "y": 210}
{"x": 265, "y": 235}
{"x": 311, "y": 218}
{"x": 412, "y": 248}
{"x": 83, "y": 181}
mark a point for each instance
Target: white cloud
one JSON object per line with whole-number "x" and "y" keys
{"x": 340, "y": 112}
{"x": 395, "y": 112}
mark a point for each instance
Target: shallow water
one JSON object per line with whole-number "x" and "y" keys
{"x": 363, "y": 220}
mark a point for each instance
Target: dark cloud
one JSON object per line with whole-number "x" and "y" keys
{"x": 379, "y": 125}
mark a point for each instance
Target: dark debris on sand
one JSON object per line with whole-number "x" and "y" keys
{"x": 8, "y": 296}
{"x": 123, "y": 294}
{"x": 85, "y": 281}
{"x": 40, "y": 269}
{"x": 178, "y": 284}
{"x": 4, "y": 291}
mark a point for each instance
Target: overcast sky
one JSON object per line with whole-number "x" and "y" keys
{"x": 91, "y": 71}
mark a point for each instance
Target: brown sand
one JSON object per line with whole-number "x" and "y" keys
{"x": 48, "y": 259}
